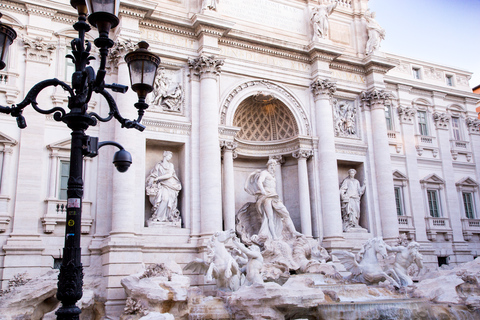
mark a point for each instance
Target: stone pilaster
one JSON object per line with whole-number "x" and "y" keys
{"x": 304, "y": 191}
{"x": 375, "y": 100}
{"x": 323, "y": 90}
{"x": 452, "y": 211}
{"x": 417, "y": 204}
{"x": 208, "y": 68}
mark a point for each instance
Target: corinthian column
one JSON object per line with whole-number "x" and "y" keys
{"x": 229, "y": 155}
{"x": 375, "y": 99}
{"x": 323, "y": 91}
{"x": 208, "y": 69}
{"x": 304, "y": 191}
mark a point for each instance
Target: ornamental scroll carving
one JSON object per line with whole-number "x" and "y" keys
{"x": 441, "y": 120}
{"x": 407, "y": 114}
{"x": 345, "y": 118}
{"x": 323, "y": 86}
{"x": 38, "y": 50}
{"x": 204, "y": 65}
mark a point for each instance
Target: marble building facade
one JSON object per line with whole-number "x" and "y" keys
{"x": 240, "y": 83}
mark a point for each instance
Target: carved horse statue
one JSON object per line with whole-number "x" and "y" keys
{"x": 219, "y": 264}
{"x": 367, "y": 269}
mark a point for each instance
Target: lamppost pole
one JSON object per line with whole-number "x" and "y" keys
{"x": 142, "y": 66}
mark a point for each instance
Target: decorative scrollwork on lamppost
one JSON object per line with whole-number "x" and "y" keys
{"x": 142, "y": 65}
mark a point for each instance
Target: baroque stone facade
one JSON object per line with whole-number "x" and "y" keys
{"x": 241, "y": 82}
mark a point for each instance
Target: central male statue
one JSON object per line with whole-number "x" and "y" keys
{"x": 276, "y": 219}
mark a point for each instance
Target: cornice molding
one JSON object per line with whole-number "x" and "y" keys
{"x": 264, "y": 49}
{"x": 40, "y": 11}
{"x": 167, "y": 27}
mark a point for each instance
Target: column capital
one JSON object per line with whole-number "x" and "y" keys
{"x": 473, "y": 125}
{"x": 441, "y": 120}
{"x": 229, "y": 146}
{"x": 119, "y": 50}
{"x": 38, "y": 49}
{"x": 302, "y": 154}
{"x": 205, "y": 66}
{"x": 323, "y": 87}
{"x": 375, "y": 98}
{"x": 407, "y": 114}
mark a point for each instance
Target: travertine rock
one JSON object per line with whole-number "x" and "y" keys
{"x": 458, "y": 285}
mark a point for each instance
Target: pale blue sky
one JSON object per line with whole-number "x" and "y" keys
{"x": 439, "y": 31}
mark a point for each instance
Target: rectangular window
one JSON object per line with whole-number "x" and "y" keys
{"x": 399, "y": 201}
{"x": 433, "y": 203}
{"x": 388, "y": 117}
{"x": 468, "y": 204}
{"x": 449, "y": 80}
{"x": 69, "y": 69}
{"x": 64, "y": 172}
{"x": 416, "y": 73}
{"x": 422, "y": 123}
{"x": 456, "y": 128}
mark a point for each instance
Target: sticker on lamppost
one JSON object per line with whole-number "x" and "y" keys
{"x": 73, "y": 203}
{"x": 71, "y": 223}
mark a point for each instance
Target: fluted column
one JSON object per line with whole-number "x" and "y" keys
{"x": 304, "y": 191}
{"x": 375, "y": 99}
{"x": 208, "y": 69}
{"x": 229, "y": 155}
{"x": 323, "y": 91}
{"x": 278, "y": 175}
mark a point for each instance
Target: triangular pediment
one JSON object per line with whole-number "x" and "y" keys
{"x": 4, "y": 139}
{"x": 397, "y": 175}
{"x": 432, "y": 178}
{"x": 467, "y": 182}
{"x": 62, "y": 144}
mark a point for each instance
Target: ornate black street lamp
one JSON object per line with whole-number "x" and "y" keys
{"x": 142, "y": 65}
{"x": 7, "y": 35}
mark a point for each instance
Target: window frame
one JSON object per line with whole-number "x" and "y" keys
{"x": 422, "y": 125}
{"x": 417, "y": 73}
{"x": 399, "y": 202}
{"x": 449, "y": 80}
{"x": 436, "y": 201}
{"x": 468, "y": 186}
{"x": 389, "y": 118}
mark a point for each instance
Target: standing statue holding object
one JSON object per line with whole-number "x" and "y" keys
{"x": 162, "y": 187}
{"x": 375, "y": 33}
{"x": 350, "y": 194}
{"x": 276, "y": 221}
{"x": 320, "y": 20}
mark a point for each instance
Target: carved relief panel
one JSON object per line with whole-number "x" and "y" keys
{"x": 168, "y": 91}
{"x": 345, "y": 118}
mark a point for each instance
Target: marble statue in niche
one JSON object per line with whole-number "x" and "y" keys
{"x": 345, "y": 115}
{"x": 162, "y": 188}
{"x": 320, "y": 20}
{"x": 350, "y": 195}
{"x": 167, "y": 94}
{"x": 276, "y": 221}
{"x": 375, "y": 33}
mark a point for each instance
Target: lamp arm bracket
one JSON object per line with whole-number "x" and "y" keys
{"x": 114, "y": 112}
{"x": 31, "y": 98}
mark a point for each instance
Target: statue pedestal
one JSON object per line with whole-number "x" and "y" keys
{"x": 357, "y": 230}
{"x": 157, "y": 224}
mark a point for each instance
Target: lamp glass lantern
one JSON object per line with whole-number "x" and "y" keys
{"x": 103, "y": 14}
{"x": 7, "y": 35}
{"x": 142, "y": 65}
